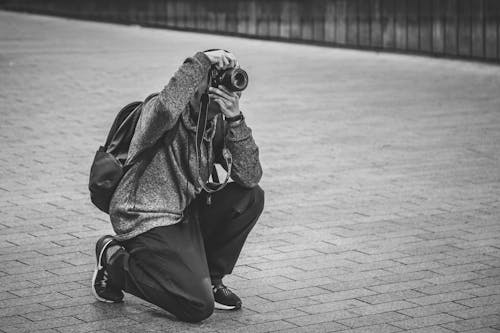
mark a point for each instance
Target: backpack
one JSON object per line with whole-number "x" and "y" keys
{"x": 109, "y": 165}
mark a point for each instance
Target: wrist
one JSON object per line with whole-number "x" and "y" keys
{"x": 236, "y": 119}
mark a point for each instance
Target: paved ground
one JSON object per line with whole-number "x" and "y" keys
{"x": 382, "y": 176}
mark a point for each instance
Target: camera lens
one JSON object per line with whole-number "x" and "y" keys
{"x": 234, "y": 79}
{"x": 239, "y": 79}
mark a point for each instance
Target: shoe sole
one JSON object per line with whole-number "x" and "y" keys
{"x": 220, "y": 306}
{"x": 96, "y": 271}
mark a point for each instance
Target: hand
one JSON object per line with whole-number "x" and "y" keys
{"x": 222, "y": 59}
{"x": 228, "y": 101}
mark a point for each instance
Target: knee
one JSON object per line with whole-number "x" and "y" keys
{"x": 197, "y": 306}
{"x": 258, "y": 199}
{"x": 250, "y": 201}
{"x": 194, "y": 313}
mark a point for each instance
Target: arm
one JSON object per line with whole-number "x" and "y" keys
{"x": 160, "y": 113}
{"x": 246, "y": 170}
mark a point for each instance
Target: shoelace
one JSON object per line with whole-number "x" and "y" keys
{"x": 103, "y": 283}
{"x": 225, "y": 290}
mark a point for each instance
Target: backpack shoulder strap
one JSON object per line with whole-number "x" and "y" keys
{"x": 120, "y": 118}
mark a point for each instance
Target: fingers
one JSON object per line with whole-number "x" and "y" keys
{"x": 226, "y": 97}
{"x": 222, "y": 103}
{"x": 221, "y": 100}
{"x": 225, "y": 61}
{"x": 232, "y": 62}
{"x": 222, "y": 59}
{"x": 235, "y": 94}
{"x": 225, "y": 90}
{"x": 222, "y": 92}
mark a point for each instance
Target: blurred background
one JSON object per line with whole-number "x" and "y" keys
{"x": 452, "y": 28}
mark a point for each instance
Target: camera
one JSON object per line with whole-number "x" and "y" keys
{"x": 234, "y": 79}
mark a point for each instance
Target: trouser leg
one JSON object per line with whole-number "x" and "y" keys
{"x": 166, "y": 266}
{"x": 226, "y": 223}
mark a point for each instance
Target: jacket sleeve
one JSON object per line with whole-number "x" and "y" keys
{"x": 160, "y": 113}
{"x": 246, "y": 169}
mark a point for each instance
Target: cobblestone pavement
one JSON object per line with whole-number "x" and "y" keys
{"x": 382, "y": 178}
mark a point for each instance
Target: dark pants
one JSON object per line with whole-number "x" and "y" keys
{"x": 172, "y": 266}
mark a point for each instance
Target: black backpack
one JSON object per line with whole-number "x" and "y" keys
{"x": 109, "y": 164}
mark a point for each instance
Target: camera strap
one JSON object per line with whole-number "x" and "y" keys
{"x": 200, "y": 134}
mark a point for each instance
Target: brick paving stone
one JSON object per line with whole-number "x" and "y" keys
{"x": 480, "y": 301}
{"x": 92, "y": 316}
{"x": 468, "y": 313}
{"x": 391, "y": 287}
{"x": 381, "y": 328}
{"x": 412, "y": 276}
{"x": 21, "y": 309}
{"x": 317, "y": 328}
{"x": 484, "y": 291}
{"x": 388, "y": 297}
{"x": 430, "y": 329}
{"x": 58, "y": 279}
{"x": 354, "y": 284}
{"x": 461, "y": 268}
{"x": 423, "y": 258}
{"x": 332, "y": 306}
{"x": 7, "y": 295}
{"x": 12, "y": 320}
{"x": 70, "y": 301}
{"x": 323, "y": 272}
{"x": 451, "y": 287}
{"x": 343, "y": 295}
{"x": 374, "y": 319}
{"x": 379, "y": 171}
{"x": 263, "y": 327}
{"x": 45, "y": 289}
{"x": 270, "y": 316}
{"x": 16, "y": 285}
{"x": 294, "y": 293}
{"x": 19, "y": 278}
{"x": 376, "y": 273}
{"x": 43, "y": 324}
{"x": 475, "y": 323}
{"x": 419, "y": 322}
{"x": 32, "y": 299}
{"x": 258, "y": 291}
{"x": 96, "y": 325}
{"x": 414, "y": 267}
{"x": 42, "y": 267}
{"x": 63, "y": 312}
{"x": 440, "y": 298}
{"x": 383, "y": 307}
{"x": 486, "y": 282}
{"x": 489, "y": 271}
{"x": 428, "y": 310}
{"x": 322, "y": 317}
{"x": 304, "y": 283}
{"x": 282, "y": 305}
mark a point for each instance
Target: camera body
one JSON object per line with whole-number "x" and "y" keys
{"x": 234, "y": 79}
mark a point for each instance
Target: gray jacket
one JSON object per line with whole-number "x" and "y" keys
{"x": 169, "y": 182}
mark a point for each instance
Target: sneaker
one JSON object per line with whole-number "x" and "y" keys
{"x": 225, "y": 299}
{"x": 101, "y": 288}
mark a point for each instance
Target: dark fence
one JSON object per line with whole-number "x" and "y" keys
{"x": 453, "y": 28}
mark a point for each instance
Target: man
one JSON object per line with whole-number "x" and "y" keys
{"x": 174, "y": 241}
